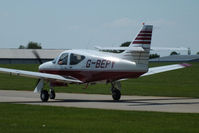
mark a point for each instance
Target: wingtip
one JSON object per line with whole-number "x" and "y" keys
{"x": 185, "y": 65}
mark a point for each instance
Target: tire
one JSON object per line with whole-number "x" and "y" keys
{"x": 116, "y": 94}
{"x": 52, "y": 94}
{"x": 44, "y": 96}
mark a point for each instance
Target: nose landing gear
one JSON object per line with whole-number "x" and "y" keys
{"x": 44, "y": 95}
{"x": 52, "y": 93}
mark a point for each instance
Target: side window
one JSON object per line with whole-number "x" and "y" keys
{"x": 75, "y": 59}
{"x": 63, "y": 59}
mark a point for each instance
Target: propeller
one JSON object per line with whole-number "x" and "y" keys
{"x": 37, "y": 56}
{"x": 40, "y": 62}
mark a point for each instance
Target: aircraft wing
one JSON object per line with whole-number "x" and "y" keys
{"x": 154, "y": 70}
{"x": 39, "y": 75}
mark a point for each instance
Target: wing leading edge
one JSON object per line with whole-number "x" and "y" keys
{"x": 54, "y": 77}
{"x": 39, "y": 75}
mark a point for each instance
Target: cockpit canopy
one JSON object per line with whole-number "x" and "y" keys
{"x": 63, "y": 59}
{"x": 68, "y": 58}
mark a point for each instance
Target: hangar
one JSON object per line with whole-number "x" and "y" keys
{"x": 26, "y": 56}
{"x": 177, "y": 58}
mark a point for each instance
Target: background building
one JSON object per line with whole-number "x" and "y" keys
{"x": 26, "y": 56}
{"x": 177, "y": 58}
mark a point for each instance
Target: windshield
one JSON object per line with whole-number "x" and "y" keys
{"x": 54, "y": 60}
{"x": 63, "y": 59}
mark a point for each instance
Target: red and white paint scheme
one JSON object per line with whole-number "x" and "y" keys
{"x": 93, "y": 66}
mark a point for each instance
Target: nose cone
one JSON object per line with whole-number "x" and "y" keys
{"x": 45, "y": 66}
{"x": 41, "y": 67}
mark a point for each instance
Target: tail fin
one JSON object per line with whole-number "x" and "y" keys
{"x": 143, "y": 39}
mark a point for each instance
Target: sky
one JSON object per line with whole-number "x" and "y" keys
{"x": 83, "y": 24}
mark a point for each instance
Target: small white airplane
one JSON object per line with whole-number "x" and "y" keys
{"x": 93, "y": 66}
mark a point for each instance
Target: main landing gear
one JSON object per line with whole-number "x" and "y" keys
{"x": 44, "y": 95}
{"x": 115, "y": 89}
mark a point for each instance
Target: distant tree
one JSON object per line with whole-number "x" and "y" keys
{"x": 197, "y": 53}
{"x": 22, "y": 47}
{"x": 174, "y": 53}
{"x": 125, "y": 44}
{"x": 34, "y": 45}
{"x": 31, "y": 45}
{"x": 154, "y": 56}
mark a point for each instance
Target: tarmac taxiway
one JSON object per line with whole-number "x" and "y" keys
{"x": 141, "y": 103}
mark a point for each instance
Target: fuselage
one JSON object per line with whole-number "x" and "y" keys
{"x": 92, "y": 66}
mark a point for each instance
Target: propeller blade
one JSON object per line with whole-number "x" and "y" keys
{"x": 37, "y": 56}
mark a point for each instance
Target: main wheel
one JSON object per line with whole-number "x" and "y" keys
{"x": 44, "y": 96}
{"x": 52, "y": 94}
{"x": 116, "y": 94}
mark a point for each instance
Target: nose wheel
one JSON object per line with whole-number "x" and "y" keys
{"x": 44, "y": 95}
{"x": 52, "y": 94}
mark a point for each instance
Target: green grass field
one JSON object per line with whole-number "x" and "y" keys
{"x": 182, "y": 82}
{"x": 15, "y": 118}
{"x": 46, "y": 119}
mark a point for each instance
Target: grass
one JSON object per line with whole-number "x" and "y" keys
{"x": 180, "y": 83}
{"x": 31, "y": 118}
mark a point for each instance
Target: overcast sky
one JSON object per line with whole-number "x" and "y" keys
{"x": 79, "y": 24}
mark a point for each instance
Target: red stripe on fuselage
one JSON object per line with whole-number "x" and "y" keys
{"x": 92, "y": 76}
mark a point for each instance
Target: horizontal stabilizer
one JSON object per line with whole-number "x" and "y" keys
{"x": 121, "y": 48}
